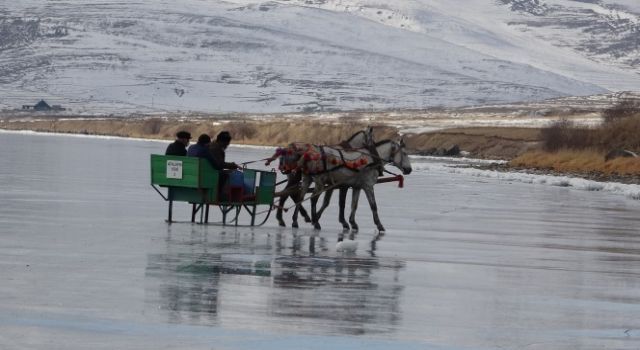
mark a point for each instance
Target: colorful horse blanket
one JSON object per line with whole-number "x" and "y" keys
{"x": 313, "y": 159}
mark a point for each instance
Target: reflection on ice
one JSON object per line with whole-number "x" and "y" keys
{"x": 347, "y": 295}
{"x": 300, "y": 281}
{"x": 469, "y": 261}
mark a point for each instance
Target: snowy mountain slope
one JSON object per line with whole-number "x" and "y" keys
{"x": 586, "y": 40}
{"x": 279, "y": 56}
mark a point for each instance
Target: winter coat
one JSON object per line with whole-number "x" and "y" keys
{"x": 176, "y": 148}
{"x": 218, "y": 154}
{"x": 202, "y": 151}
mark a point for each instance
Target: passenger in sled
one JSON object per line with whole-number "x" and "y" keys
{"x": 179, "y": 146}
{"x": 214, "y": 152}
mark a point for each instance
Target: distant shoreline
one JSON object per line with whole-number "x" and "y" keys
{"x": 495, "y": 143}
{"x": 488, "y": 143}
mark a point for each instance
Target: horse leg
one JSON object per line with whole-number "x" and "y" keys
{"x": 371, "y": 197}
{"x": 314, "y": 212}
{"x": 343, "y": 200}
{"x": 303, "y": 212}
{"x": 314, "y": 201}
{"x": 296, "y": 210}
{"x": 281, "y": 202}
{"x": 325, "y": 202}
{"x": 298, "y": 198}
{"x": 288, "y": 189}
{"x": 355, "y": 195}
{"x": 296, "y": 181}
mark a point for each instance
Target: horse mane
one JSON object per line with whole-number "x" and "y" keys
{"x": 379, "y": 143}
{"x": 354, "y": 136}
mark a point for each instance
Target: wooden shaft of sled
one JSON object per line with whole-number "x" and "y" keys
{"x": 398, "y": 178}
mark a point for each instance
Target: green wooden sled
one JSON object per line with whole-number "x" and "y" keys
{"x": 195, "y": 181}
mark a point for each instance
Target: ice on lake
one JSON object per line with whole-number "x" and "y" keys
{"x": 470, "y": 260}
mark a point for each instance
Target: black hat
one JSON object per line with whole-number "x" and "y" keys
{"x": 224, "y": 136}
{"x": 183, "y": 135}
{"x": 204, "y": 139}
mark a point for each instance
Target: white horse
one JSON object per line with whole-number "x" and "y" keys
{"x": 364, "y": 179}
{"x": 361, "y": 139}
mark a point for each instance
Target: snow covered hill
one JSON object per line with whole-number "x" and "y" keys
{"x": 311, "y": 55}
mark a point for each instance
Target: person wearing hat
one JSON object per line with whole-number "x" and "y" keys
{"x": 179, "y": 146}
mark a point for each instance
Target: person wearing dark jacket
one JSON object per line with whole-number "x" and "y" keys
{"x": 201, "y": 150}
{"x": 214, "y": 153}
{"x": 218, "y": 149}
{"x": 179, "y": 146}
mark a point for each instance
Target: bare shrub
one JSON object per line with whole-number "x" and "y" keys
{"x": 577, "y": 160}
{"x": 152, "y": 126}
{"x": 563, "y": 134}
{"x": 622, "y": 133}
{"x": 556, "y": 135}
{"x": 626, "y": 108}
{"x": 242, "y": 130}
{"x": 620, "y": 130}
{"x": 581, "y": 138}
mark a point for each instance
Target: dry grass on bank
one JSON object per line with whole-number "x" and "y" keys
{"x": 503, "y": 132}
{"x": 481, "y": 142}
{"x": 569, "y": 148}
{"x": 577, "y": 161}
{"x": 620, "y": 130}
{"x": 250, "y": 132}
{"x": 493, "y": 142}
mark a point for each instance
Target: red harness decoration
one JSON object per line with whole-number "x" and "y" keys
{"x": 313, "y": 160}
{"x": 290, "y": 156}
{"x": 319, "y": 160}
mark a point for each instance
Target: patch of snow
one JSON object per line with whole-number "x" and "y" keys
{"x": 458, "y": 160}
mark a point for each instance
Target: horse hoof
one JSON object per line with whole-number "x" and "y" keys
{"x": 282, "y": 224}
{"x": 294, "y": 224}
{"x": 307, "y": 219}
{"x": 317, "y": 226}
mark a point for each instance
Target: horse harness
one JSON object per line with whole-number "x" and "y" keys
{"x": 343, "y": 162}
{"x": 310, "y": 153}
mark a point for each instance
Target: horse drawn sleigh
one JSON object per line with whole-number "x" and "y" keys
{"x": 195, "y": 181}
{"x": 357, "y": 164}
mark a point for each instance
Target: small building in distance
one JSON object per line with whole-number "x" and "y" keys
{"x": 42, "y": 106}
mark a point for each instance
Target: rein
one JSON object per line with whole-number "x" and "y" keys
{"x": 254, "y": 161}
{"x": 391, "y": 172}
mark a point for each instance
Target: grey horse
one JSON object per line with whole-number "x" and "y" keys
{"x": 362, "y": 138}
{"x": 386, "y": 152}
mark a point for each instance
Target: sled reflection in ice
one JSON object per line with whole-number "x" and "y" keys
{"x": 277, "y": 280}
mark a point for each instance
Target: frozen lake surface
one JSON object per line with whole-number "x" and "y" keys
{"x": 468, "y": 262}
